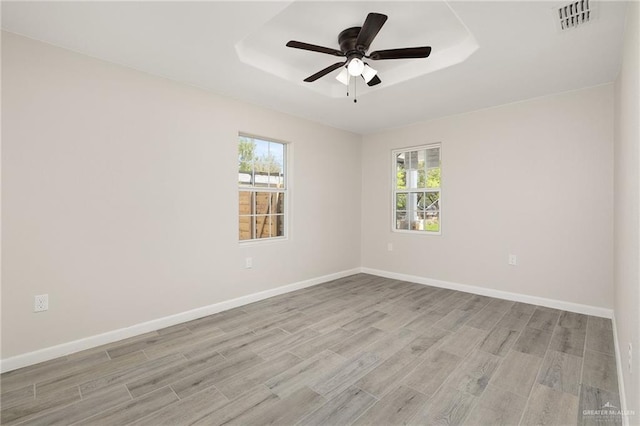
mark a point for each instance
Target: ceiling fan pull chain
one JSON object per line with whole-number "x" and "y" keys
{"x": 355, "y": 92}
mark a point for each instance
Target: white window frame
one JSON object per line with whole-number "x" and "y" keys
{"x": 285, "y": 190}
{"x": 395, "y": 190}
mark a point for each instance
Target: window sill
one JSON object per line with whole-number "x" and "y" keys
{"x": 263, "y": 241}
{"x": 410, "y": 232}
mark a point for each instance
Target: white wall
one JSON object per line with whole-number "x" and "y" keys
{"x": 627, "y": 211}
{"x": 533, "y": 178}
{"x": 120, "y": 199}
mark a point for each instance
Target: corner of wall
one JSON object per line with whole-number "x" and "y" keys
{"x": 627, "y": 217}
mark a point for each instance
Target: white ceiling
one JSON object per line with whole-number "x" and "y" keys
{"x": 520, "y": 51}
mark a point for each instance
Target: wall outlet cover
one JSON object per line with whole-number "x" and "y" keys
{"x": 41, "y": 303}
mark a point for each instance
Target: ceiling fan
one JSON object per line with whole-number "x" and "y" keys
{"x": 354, "y": 43}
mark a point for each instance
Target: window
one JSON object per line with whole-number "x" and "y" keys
{"x": 416, "y": 189}
{"x": 262, "y": 188}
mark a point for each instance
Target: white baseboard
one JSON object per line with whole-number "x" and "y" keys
{"x": 483, "y": 291}
{"x": 623, "y": 396}
{"x": 52, "y": 352}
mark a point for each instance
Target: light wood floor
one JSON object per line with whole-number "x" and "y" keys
{"x": 358, "y": 350}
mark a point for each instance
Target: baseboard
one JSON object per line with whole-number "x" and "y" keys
{"x": 516, "y": 297}
{"x": 623, "y": 396}
{"x": 52, "y": 352}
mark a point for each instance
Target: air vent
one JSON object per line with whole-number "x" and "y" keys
{"x": 575, "y": 14}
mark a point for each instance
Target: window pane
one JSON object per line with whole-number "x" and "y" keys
{"x": 412, "y": 179}
{"x": 246, "y": 153}
{"x": 278, "y": 225}
{"x": 401, "y": 201}
{"x": 261, "y": 171}
{"x": 417, "y": 224}
{"x": 412, "y": 170}
{"x": 275, "y": 160}
{"x": 244, "y": 179}
{"x": 245, "y": 202}
{"x": 401, "y": 220}
{"x": 413, "y": 201}
{"x": 431, "y": 201}
{"x": 277, "y": 203}
{"x": 433, "y": 178}
{"x": 412, "y": 160}
{"x": 263, "y": 202}
{"x": 401, "y": 179}
{"x": 401, "y": 175}
{"x": 422, "y": 178}
{"x": 421, "y": 201}
{"x": 421, "y": 159}
{"x": 245, "y": 227}
{"x": 263, "y": 226}
{"x": 432, "y": 222}
{"x": 421, "y": 167}
{"x": 433, "y": 158}
{"x": 264, "y": 163}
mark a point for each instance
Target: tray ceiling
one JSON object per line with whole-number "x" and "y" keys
{"x": 484, "y": 53}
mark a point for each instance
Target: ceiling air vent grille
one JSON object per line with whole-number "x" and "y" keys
{"x": 574, "y": 14}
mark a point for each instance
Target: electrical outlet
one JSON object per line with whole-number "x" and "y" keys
{"x": 389, "y": 246}
{"x": 513, "y": 260}
{"x": 248, "y": 263}
{"x": 41, "y": 303}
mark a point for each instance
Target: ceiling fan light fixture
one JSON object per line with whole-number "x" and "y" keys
{"x": 368, "y": 73}
{"x": 355, "y": 67}
{"x": 354, "y": 44}
{"x": 343, "y": 77}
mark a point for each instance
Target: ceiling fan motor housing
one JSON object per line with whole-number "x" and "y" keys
{"x": 347, "y": 41}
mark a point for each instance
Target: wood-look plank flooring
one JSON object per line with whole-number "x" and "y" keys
{"x": 358, "y": 350}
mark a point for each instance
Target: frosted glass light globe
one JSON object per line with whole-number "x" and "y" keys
{"x": 368, "y": 73}
{"x": 355, "y": 67}
{"x": 343, "y": 77}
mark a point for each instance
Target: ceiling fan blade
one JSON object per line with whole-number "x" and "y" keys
{"x": 375, "y": 80}
{"x": 369, "y": 30}
{"x": 405, "y": 53}
{"x": 314, "y": 48}
{"x": 324, "y": 72}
